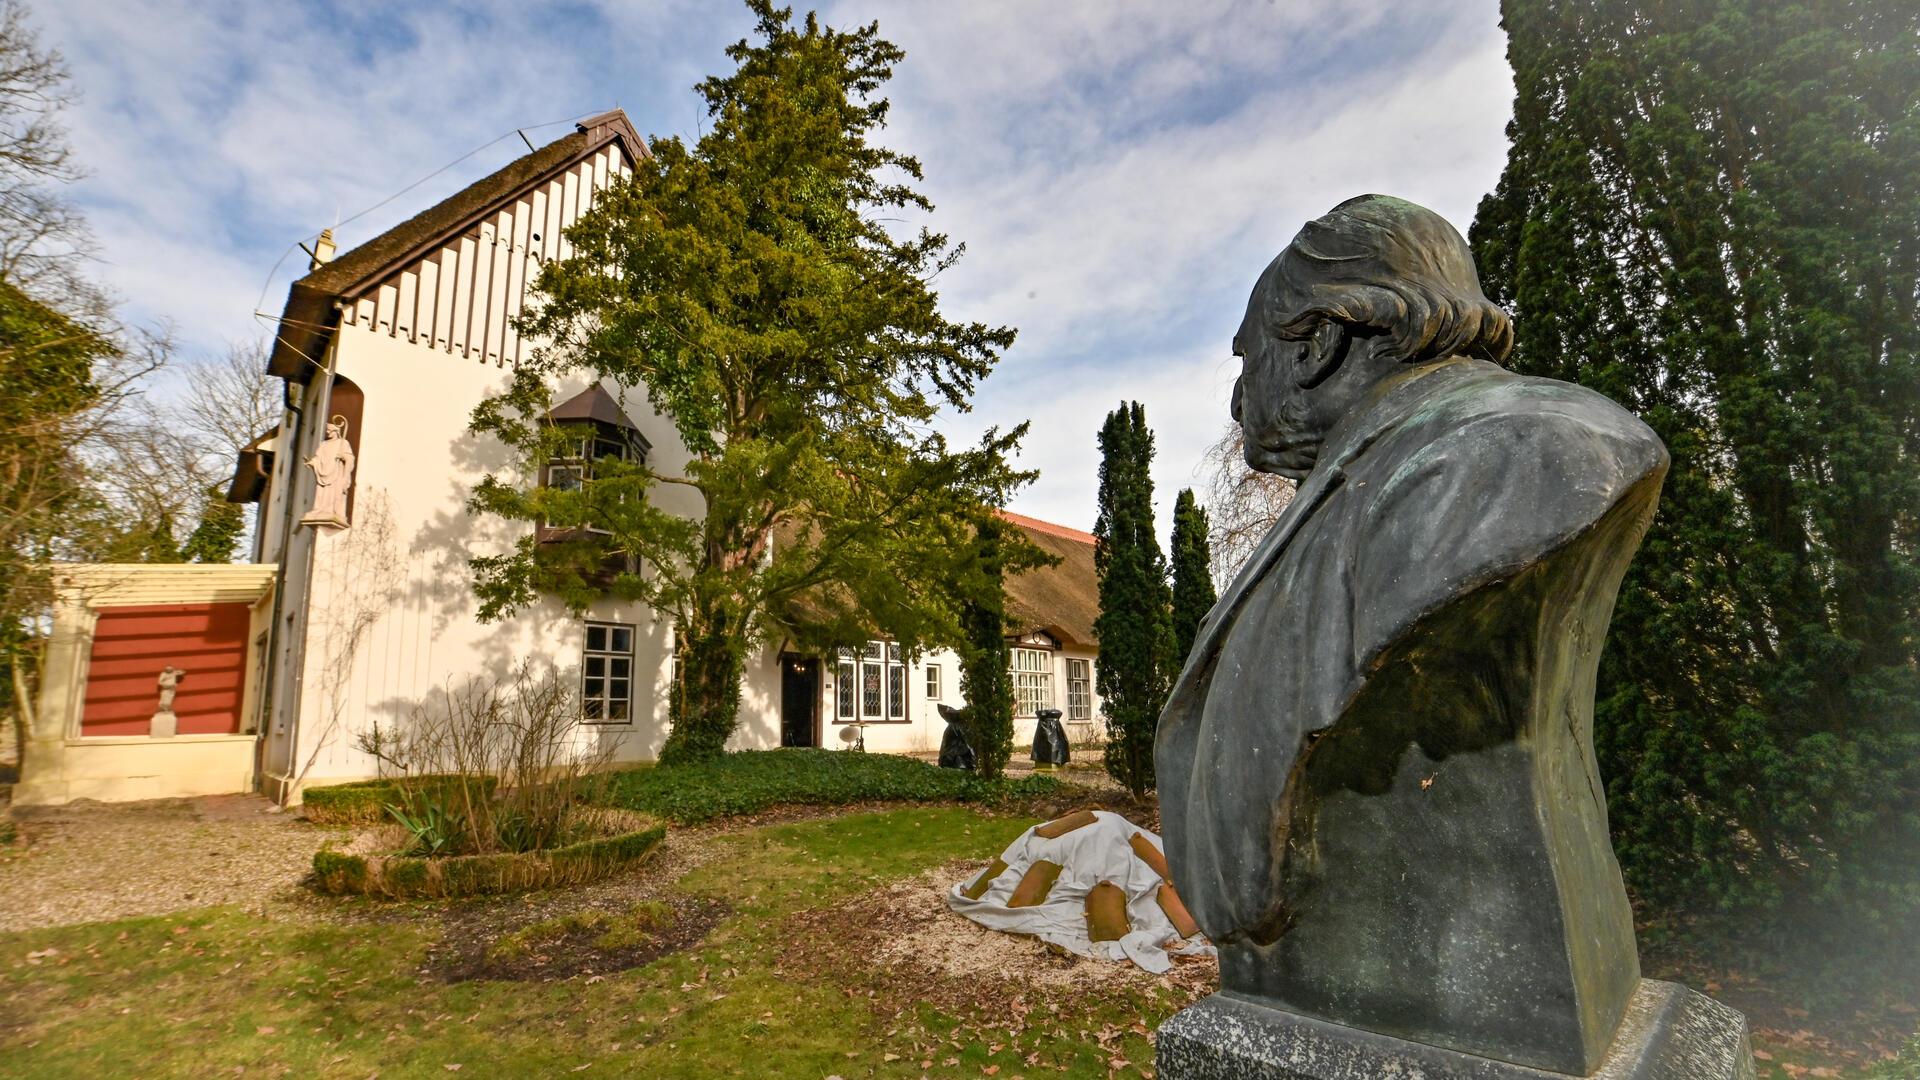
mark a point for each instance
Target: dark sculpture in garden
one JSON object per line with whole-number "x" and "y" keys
{"x": 1377, "y": 781}
{"x": 955, "y": 751}
{"x": 1050, "y": 749}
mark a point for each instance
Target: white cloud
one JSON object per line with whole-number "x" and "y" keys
{"x": 1120, "y": 171}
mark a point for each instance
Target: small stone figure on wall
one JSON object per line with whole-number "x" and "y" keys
{"x": 332, "y": 464}
{"x": 164, "y": 723}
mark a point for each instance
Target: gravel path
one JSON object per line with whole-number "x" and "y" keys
{"x": 86, "y": 862}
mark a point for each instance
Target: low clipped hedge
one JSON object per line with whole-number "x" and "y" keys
{"x": 404, "y": 877}
{"x": 365, "y": 802}
{"x": 749, "y": 781}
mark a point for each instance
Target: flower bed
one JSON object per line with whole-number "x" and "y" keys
{"x": 365, "y": 802}
{"x": 398, "y": 876}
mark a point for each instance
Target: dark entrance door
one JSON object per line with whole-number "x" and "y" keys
{"x": 799, "y": 699}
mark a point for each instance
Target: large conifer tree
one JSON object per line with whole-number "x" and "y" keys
{"x": 1134, "y": 624}
{"x": 1711, "y": 212}
{"x": 1193, "y": 593}
{"x": 986, "y": 678}
{"x": 753, "y": 284}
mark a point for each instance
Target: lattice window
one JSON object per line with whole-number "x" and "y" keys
{"x": 1079, "y": 690}
{"x": 606, "y": 674}
{"x": 871, "y": 684}
{"x": 1032, "y": 681}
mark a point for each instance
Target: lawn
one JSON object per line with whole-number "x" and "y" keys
{"x": 771, "y": 971}
{"x": 337, "y": 989}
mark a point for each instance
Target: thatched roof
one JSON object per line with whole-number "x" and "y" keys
{"x": 1063, "y": 599}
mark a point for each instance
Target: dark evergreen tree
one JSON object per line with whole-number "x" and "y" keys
{"x": 986, "y": 681}
{"x": 1193, "y": 593}
{"x": 1134, "y": 625}
{"x": 754, "y": 282}
{"x": 1711, "y": 213}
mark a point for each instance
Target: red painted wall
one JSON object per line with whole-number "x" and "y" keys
{"x": 132, "y": 644}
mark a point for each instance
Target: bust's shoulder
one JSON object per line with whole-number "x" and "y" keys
{"x": 1489, "y": 422}
{"x": 1494, "y": 410}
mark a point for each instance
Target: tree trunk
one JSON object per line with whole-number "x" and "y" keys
{"x": 705, "y": 699}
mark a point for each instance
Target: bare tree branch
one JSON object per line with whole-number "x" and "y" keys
{"x": 1241, "y": 504}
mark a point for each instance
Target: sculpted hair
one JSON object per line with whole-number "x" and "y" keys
{"x": 1392, "y": 268}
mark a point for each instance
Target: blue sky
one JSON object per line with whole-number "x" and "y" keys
{"x": 1119, "y": 171}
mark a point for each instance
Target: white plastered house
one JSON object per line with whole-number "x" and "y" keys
{"x": 397, "y": 340}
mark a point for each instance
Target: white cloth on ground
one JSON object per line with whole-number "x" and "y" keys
{"x": 1087, "y": 856}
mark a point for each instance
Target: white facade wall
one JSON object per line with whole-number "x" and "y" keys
{"x": 393, "y": 620}
{"x": 386, "y": 610}
{"x": 389, "y": 620}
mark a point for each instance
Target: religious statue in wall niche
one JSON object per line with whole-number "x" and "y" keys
{"x": 164, "y": 724}
{"x": 1377, "y": 781}
{"x": 332, "y": 464}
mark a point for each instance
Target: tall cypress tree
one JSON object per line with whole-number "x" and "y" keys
{"x": 1711, "y": 212}
{"x": 1134, "y": 625}
{"x": 1193, "y": 593}
{"x": 986, "y": 681}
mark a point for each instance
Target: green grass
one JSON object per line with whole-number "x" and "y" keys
{"x": 218, "y": 990}
{"x": 337, "y": 991}
{"x": 753, "y": 780}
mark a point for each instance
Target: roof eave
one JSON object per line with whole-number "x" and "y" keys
{"x": 306, "y": 325}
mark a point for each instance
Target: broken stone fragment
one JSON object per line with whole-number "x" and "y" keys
{"x": 1107, "y": 913}
{"x": 1145, "y": 850}
{"x": 1176, "y": 910}
{"x": 1059, "y": 827}
{"x": 979, "y": 887}
{"x": 1035, "y": 884}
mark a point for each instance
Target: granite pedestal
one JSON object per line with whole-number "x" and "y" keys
{"x": 1669, "y": 1033}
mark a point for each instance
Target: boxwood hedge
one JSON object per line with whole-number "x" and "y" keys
{"x": 403, "y": 877}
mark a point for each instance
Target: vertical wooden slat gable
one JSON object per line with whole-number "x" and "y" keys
{"x": 462, "y": 298}
{"x": 424, "y": 299}
{"x": 408, "y": 283}
{"x": 446, "y": 281}
{"x": 496, "y": 322}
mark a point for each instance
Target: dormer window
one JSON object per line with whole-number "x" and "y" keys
{"x": 574, "y": 466}
{"x": 598, "y": 430}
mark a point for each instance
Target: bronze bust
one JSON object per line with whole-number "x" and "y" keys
{"x": 1377, "y": 777}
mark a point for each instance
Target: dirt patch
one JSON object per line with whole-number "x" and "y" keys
{"x": 466, "y": 949}
{"x": 905, "y": 938}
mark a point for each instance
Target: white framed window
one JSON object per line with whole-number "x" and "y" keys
{"x": 870, "y": 684}
{"x": 606, "y": 674}
{"x": 933, "y": 682}
{"x": 1079, "y": 690}
{"x": 1032, "y": 681}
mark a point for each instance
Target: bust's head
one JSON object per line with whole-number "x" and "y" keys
{"x": 1374, "y": 284}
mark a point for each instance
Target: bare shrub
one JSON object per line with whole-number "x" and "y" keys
{"x": 523, "y": 731}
